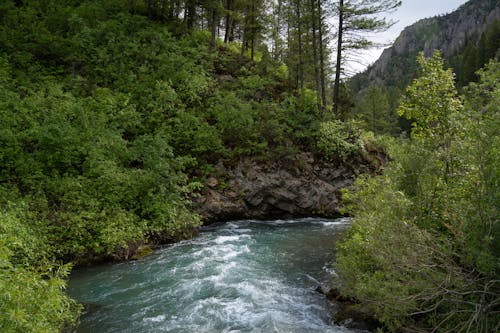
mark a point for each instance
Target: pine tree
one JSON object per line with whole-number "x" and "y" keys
{"x": 356, "y": 17}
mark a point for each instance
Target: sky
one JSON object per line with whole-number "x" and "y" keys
{"x": 410, "y": 12}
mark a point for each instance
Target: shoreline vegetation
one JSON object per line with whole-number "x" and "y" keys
{"x": 422, "y": 252}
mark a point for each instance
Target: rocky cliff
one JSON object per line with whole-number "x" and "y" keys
{"x": 448, "y": 33}
{"x": 299, "y": 186}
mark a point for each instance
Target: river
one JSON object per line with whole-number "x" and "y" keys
{"x": 243, "y": 276}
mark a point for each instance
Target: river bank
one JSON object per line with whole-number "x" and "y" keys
{"x": 300, "y": 185}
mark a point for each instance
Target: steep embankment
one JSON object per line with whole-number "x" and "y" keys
{"x": 303, "y": 185}
{"x": 449, "y": 33}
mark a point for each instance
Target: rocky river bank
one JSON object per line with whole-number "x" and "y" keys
{"x": 303, "y": 185}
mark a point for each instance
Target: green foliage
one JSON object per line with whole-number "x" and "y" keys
{"x": 193, "y": 136}
{"x": 339, "y": 140}
{"x": 421, "y": 251}
{"x": 298, "y": 119}
{"x": 476, "y": 54}
{"x": 233, "y": 119}
{"x": 381, "y": 250}
{"x": 71, "y": 152}
{"x": 308, "y": 101}
{"x": 481, "y": 230}
{"x": 374, "y": 111}
{"x": 431, "y": 100}
{"x": 32, "y": 298}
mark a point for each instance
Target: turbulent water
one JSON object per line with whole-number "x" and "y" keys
{"x": 245, "y": 276}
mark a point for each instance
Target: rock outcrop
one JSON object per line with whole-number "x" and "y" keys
{"x": 301, "y": 186}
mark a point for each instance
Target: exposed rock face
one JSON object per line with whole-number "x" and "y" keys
{"x": 302, "y": 186}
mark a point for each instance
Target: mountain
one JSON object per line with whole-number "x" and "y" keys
{"x": 467, "y": 38}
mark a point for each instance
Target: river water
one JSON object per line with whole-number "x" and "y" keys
{"x": 244, "y": 276}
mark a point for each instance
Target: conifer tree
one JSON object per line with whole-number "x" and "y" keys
{"x": 355, "y": 19}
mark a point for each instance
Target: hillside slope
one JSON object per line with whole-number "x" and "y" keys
{"x": 474, "y": 21}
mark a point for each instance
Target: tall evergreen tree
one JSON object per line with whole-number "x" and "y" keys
{"x": 322, "y": 51}
{"x": 315, "y": 55}
{"x": 375, "y": 111}
{"x": 355, "y": 19}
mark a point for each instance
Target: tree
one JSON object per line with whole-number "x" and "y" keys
{"x": 214, "y": 8}
{"x": 314, "y": 21}
{"x": 190, "y": 14}
{"x": 296, "y": 41}
{"x": 306, "y": 51}
{"x": 321, "y": 54}
{"x": 252, "y": 26}
{"x": 229, "y": 21}
{"x": 277, "y": 50}
{"x": 375, "y": 111}
{"x": 422, "y": 249}
{"x": 300, "y": 64}
{"x": 355, "y": 19}
{"x": 432, "y": 103}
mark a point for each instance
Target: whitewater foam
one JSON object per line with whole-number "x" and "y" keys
{"x": 244, "y": 276}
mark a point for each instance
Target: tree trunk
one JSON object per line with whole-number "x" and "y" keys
{"x": 214, "y": 25}
{"x": 252, "y": 36}
{"x": 289, "y": 47}
{"x": 243, "y": 42}
{"x": 149, "y": 3}
{"x": 190, "y": 14}
{"x": 321, "y": 56}
{"x": 315, "y": 57}
{"x": 338, "y": 67}
{"x": 300, "y": 69}
{"x": 229, "y": 19}
{"x": 276, "y": 48}
{"x": 233, "y": 29}
{"x": 252, "y": 48}
{"x": 244, "y": 37}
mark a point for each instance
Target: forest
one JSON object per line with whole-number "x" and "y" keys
{"x": 113, "y": 113}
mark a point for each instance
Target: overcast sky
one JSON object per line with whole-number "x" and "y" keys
{"x": 410, "y": 12}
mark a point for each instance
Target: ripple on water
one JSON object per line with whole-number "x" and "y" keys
{"x": 245, "y": 276}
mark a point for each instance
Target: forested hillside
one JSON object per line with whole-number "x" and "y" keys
{"x": 467, "y": 39}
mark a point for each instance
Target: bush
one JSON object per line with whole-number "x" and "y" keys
{"x": 32, "y": 297}
{"x": 339, "y": 140}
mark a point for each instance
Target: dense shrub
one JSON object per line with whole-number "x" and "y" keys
{"x": 32, "y": 297}
{"x": 423, "y": 249}
{"x": 339, "y": 140}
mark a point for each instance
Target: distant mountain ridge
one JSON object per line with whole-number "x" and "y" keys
{"x": 448, "y": 33}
